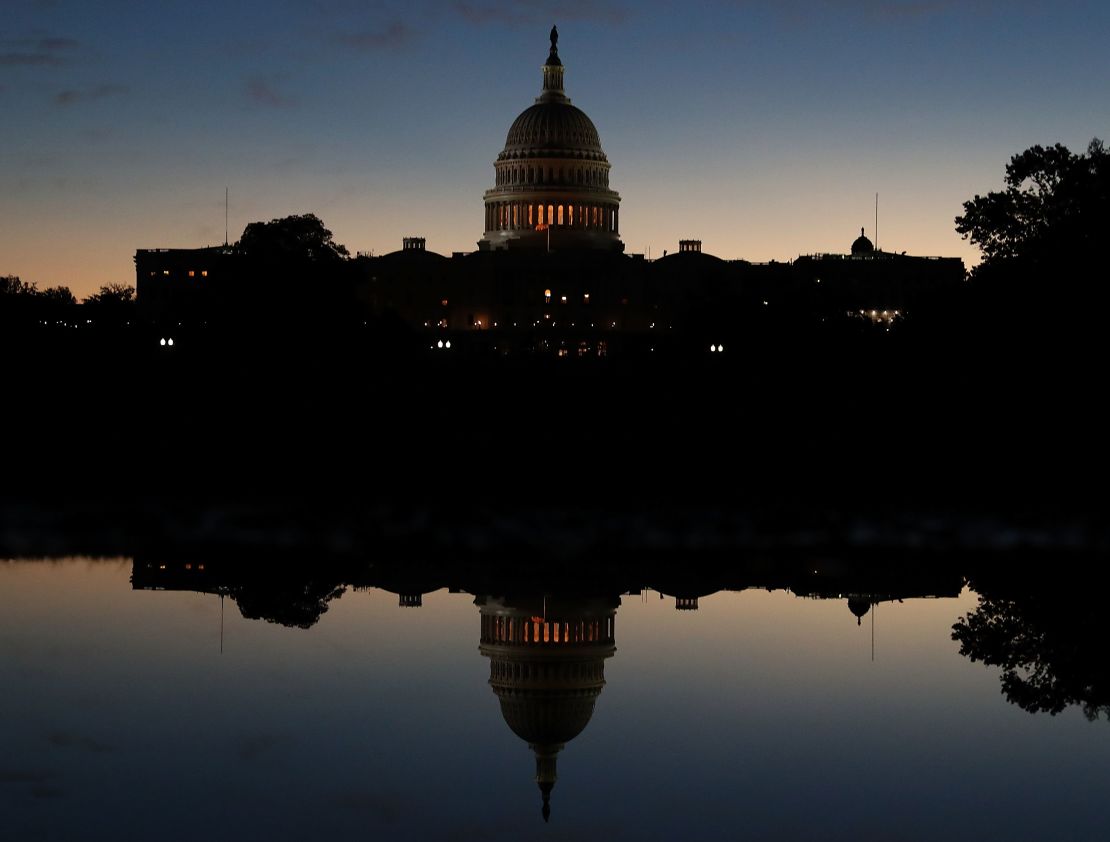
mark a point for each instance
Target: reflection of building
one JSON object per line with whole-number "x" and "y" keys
{"x": 552, "y": 178}
{"x": 547, "y": 668}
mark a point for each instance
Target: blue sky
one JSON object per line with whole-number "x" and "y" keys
{"x": 763, "y": 128}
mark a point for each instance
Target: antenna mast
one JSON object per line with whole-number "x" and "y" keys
{"x": 876, "y": 222}
{"x": 225, "y": 216}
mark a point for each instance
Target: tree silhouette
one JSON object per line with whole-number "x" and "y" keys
{"x": 1055, "y": 205}
{"x": 286, "y": 601}
{"x": 300, "y": 238}
{"x": 1048, "y": 639}
{"x": 60, "y": 296}
{"x": 112, "y": 294}
{"x": 11, "y": 285}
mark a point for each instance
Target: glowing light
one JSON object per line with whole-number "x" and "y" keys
{"x": 713, "y": 349}
{"x": 448, "y": 345}
{"x": 170, "y": 341}
{"x": 162, "y": 341}
{"x": 439, "y": 344}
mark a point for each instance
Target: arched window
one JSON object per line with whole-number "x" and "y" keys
{"x": 570, "y": 213}
{"x": 550, "y": 214}
{"x": 560, "y": 214}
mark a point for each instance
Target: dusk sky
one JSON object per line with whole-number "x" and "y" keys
{"x": 763, "y": 128}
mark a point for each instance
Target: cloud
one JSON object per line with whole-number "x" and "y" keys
{"x": 397, "y": 34}
{"x": 64, "y": 739}
{"x": 99, "y": 92}
{"x": 264, "y": 93}
{"x": 526, "y": 12}
{"x": 23, "y": 776}
{"x": 44, "y": 51}
{"x": 256, "y": 746}
{"x": 30, "y": 60}
{"x": 56, "y": 44}
{"x": 873, "y": 9}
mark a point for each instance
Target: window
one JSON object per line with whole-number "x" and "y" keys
{"x": 192, "y": 273}
{"x": 547, "y": 296}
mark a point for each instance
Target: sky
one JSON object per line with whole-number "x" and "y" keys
{"x": 765, "y": 128}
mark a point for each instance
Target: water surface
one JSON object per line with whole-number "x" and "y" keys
{"x": 145, "y": 699}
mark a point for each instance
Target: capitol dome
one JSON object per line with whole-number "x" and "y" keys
{"x": 551, "y": 181}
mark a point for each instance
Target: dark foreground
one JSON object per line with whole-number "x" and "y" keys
{"x": 319, "y": 439}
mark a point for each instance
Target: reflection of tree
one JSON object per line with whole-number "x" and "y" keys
{"x": 286, "y": 602}
{"x": 1049, "y": 643}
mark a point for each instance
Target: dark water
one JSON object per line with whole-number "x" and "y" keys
{"x": 140, "y": 702}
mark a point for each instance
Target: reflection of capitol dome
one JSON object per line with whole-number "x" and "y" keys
{"x": 547, "y": 668}
{"x": 859, "y": 606}
{"x": 552, "y": 178}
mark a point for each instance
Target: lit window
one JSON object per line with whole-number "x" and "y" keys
{"x": 564, "y": 299}
{"x": 204, "y": 273}
{"x": 560, "y": 214}
{"x": 586, "y": 298}
{"x": 443, "y": 303}
{"x": 192, "y": 273}
{"x": 547, "y": 296}
{"x": 165, "y": 271}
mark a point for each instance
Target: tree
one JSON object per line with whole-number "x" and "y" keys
{"x": 300, "y": 238}
{"x": 1047, "y": 632}
{"x": 59, "y": 296}
{"x": 11, "y": 285}
{"x": 112, "y": 295}
{"x": 1055, "y": 207}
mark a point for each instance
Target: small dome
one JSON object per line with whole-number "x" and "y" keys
{"x": 862, "y": 245}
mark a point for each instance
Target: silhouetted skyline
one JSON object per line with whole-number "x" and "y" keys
{"x": 765, "y": 130}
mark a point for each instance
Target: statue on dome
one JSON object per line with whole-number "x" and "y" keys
{"x": 554, "y": 39}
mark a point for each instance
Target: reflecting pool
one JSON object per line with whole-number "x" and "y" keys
{"x": 149, "y": 698}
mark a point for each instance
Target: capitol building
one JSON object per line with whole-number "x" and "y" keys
{"x": 550, "y": 276}
{"x": 551, "y": 184}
